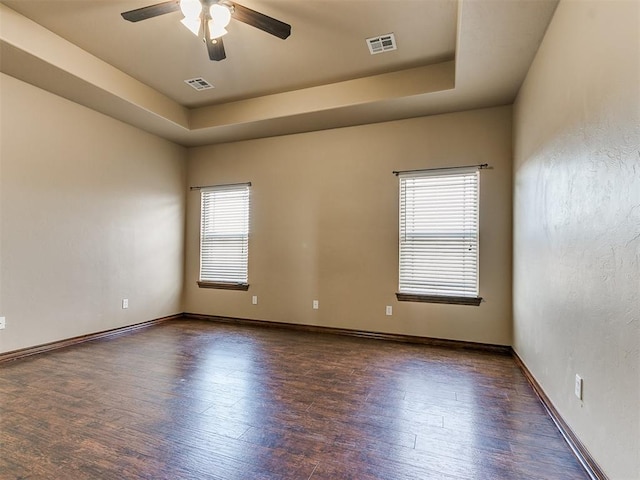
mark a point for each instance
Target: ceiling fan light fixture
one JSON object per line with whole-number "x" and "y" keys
{"x": 191, "y": 8}
{"x": 216, "y": 30}
{"x": 220, "y": 14}
{"x": 213, "y": 20}
{"x": 193, "y": 24}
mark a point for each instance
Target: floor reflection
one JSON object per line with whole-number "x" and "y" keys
{"x": 226, "y": 372}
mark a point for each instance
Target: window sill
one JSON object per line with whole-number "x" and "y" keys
{"x": 224, "y": 285}
{"x": 414, "y": 297}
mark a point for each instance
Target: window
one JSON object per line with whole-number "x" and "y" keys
{"x": 439, "y": 236}
{"x": 224, "y": 237}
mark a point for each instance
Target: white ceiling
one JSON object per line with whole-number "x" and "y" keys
{"x": 452, "y": 55}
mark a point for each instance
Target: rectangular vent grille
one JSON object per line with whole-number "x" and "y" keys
{"x": 383, "y": 43}
{"x": 198, "y": 83}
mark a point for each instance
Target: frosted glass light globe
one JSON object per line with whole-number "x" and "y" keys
{"x": 220, "y": 14}
{"x": 191, "y": 8}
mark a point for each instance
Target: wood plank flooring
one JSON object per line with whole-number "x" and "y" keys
{"x": 199, "y": 400}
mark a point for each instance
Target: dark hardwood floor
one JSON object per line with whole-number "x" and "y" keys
{"x": 199, "y": 400}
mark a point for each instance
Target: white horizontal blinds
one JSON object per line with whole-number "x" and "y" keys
{"x": 224, "y": 234}
{"x": 439, "y": 232}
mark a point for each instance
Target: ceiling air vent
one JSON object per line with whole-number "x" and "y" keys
{"x": 383, "y": 43}
{"x": 198, "y": 83}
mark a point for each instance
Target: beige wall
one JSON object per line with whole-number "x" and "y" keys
{"x": 92, "y": 211}
{"x": 325, "y": 225}
{"x": 577, "y": 225}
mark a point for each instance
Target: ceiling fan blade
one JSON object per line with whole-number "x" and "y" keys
{"x": 263, "y": 22}
{"x": 216, "y": 50}
{"x": 151, "y": 11}
{"x": 214, "y": 47}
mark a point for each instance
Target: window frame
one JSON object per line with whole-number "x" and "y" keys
{"x": 459, "y": 293}
{"x": 238, "y": 272}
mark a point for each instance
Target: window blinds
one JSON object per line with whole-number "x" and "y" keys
{"x": 439, "y": 233}
{"x": 224, "y": 234}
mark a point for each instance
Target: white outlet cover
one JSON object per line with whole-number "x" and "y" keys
{"x": 316, "y": 305}
{"x": 578, "y": 387}
{"x": 125, "y": 303}
{"x": 389, "y": 310}
{"x": 254, "y": 300}
{"x": 3, "y": 323}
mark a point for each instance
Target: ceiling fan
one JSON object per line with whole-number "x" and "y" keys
{"x": 209, "y": 19}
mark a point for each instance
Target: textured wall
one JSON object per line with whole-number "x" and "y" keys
{"x": 92, "y": 211}
{"x": 325, "y": 225}
{"x": 577, "y": 225}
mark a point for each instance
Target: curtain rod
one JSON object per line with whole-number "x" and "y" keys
{"x": 480, "y": 167}
{"x": 200, "y": 187}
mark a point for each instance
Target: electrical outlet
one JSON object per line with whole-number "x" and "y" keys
{"x": 3, "y": 323}
{"x": 389, "y": 310}
{"x": 316, "y": 305}
{"x": 125, "y": 303}
{"x": 254, "y": 300}
{"x": 578, "y": 387}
